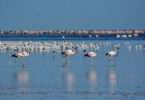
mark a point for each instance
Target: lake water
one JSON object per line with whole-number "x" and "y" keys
{"x": 51, "y": 76}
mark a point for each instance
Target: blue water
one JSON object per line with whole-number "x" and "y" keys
{"x": 49, "y": 76}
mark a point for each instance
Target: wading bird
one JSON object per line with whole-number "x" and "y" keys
{"x": 20, "y": 54}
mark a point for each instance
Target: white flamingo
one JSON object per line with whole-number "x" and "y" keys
{"x": 112, "y": 53}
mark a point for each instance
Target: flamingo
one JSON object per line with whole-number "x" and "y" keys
{"x": 112, "y": 53}
{"x": 68, "y": 75}
{"x": 68, "y": 52}
{"x": 20, "y": 54}
{"x": 90, "y": 54}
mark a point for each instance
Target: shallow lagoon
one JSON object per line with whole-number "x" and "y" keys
{"x": 49, "y": 75}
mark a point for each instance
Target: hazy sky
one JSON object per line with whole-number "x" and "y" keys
{"x": 71, "y": 14}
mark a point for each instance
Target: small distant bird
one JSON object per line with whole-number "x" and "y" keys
{"x": 117, "y": 46}
{"x": 144, "y": 47}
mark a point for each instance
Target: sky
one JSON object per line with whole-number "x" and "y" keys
{"x": 71, "y": 14}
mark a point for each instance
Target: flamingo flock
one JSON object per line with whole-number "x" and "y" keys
{"x": 68, "y": 50}
{"x": 22, "y": 49}
{"x": 72, "y": 51}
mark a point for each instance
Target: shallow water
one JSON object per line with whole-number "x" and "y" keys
{"x": 48, "y": 75}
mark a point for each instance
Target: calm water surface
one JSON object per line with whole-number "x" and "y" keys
{"x": 44, "y": 76}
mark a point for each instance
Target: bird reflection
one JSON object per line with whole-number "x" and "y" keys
{"x": 112, "y": 78}
{"x": 92, "y": 78}
{"x": 69, "y": 77}
{"x": 69, "y": 81}
{"x": 92, "y": 74}
{"x": 23, "y": 78}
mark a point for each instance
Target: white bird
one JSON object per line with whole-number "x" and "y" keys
{"x": 90, "y": 54}
{"x": 20, "y": 54}
{"x": 112, "y": 53}
{"x": 68, "y": 52}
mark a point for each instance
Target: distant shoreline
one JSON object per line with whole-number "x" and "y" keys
{"x": 60, "y": 38}
{"x": 72, "y": 32}
{"x": 125, "y": 34}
